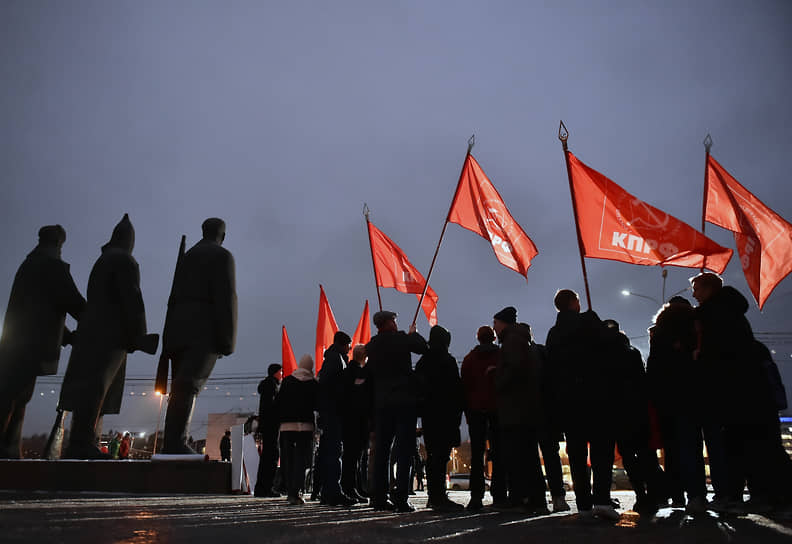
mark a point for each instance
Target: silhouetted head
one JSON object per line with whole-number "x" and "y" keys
{"x": 214, "y": 229}
{"x": 359, "y": 354}
{"x": 678, "y": 300}
{"x": 485, "y": 335}
{"x": 705, "y": 285}
{"x": 504, "y": 318}
{"x": 273, "y": 369}
{"x": 439, "y": 338}
{"x": 306, "y": 362}
{"x": 566, "y": 300}
{"x": 52, "y": 236}
{"x": 123, "y": 236}
{"x": 385, "y": 320}
{"x": 342, "y": 341}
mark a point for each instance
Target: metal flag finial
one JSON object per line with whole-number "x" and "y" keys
{"x": 366, "y": 210}
{"x": 708, "y": 142}
{"x": 471, "y": 142}
{"x": 563, "y": 133}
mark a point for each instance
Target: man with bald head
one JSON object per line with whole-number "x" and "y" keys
{"x": 200, "y": 326}
{"x": 33, "y": 331}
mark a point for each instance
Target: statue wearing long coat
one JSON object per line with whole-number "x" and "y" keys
{"x": 33, "y": 331}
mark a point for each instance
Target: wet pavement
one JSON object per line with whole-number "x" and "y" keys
{"x": 227, "y": 519}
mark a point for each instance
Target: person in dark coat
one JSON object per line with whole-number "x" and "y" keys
{"x": 574, "y": 352}
{"x": 200, "y": 326}
{"x": 395, "y": 400}
{"x": 356, "y": 413}
{"x": 42, "y": 294}
{"x": 740, "y": 398}
{"x": 225, "y": 447}
{"x": 630, "y": 399}
{"x": 675, "y": 385}
{"x": 441, "y": 412}
{"x": 268, "y": 432}
{"x": 478, "y": 381}
{"x": 518, "y": 383}
{"x": 112, "y": 325}
{"x": 331, "y": 399}
{"x": 296, "y": 402}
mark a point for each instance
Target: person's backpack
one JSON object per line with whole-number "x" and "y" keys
{"x": 772, "y": 375}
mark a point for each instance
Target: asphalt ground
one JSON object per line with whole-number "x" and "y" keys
{"x": 229, "y": 519}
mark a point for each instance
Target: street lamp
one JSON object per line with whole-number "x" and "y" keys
{"x": 627, "y": 293}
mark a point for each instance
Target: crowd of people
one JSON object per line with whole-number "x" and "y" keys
{"x": 707, "y": 380}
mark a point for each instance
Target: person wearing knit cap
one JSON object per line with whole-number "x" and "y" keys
{"x": 295, "y": 404}
{"x": 113, "y": 324}
{"x": 268, "y": 432}
{"x": 42, "y": 294}
{"x": 331, "y": 399}
{"x": 200, "y": 326}
{"x": 395, "y": 405}
{"x": 520, "y": 417}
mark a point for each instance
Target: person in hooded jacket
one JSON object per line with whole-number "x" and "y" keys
{"x": 741, "y": 407}
{"x": 441, "y": 413}
{"x": 331, "y": 399}
{"x": 518, "y": 382}
{"x": 200, "y": 326}
{"x": 478, "y": 380}
{"x": 42, "y": 294}
{"x": 574, "y": 351}
{"x": 268, "y": 431}
{"x": 112, "y": 325}
{"x": 296, "y": 402}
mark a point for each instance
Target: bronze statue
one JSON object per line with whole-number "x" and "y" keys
{"x": 33, "y": 331}
{"x": 113, "y": 324}
{"x": 200, "y": 326}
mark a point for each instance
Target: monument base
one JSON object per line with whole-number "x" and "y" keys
{"x": 116, "y": 476}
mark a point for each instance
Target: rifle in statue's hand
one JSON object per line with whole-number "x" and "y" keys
{"x": 161, "y": 381}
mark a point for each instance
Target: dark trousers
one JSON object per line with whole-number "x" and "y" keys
{"x": 483, "y": 426}
{"x": 718, "y": 463}
{"x": 295, "y": 450}
{"x": 17, "y": 393}
{"x": 520, "y": 447}
{"x": 548, "y": 443}
{"x": 751, "y": 459}
{"x": 394, "y": 427}
{"x": 355, "y": 440}
{"x": 640, "y": 463}
{"x": 437, "y": 456}
{"x": 268, "y": 462}
{"x": 682, "y": 438}
{"x": 331, "y": 457}
{"x": 601, "y": 452}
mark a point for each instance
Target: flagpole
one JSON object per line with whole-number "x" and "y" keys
{"x": 471, "y": 143}
{"x": 563, "y": 135}
{"x": 707, "y": 145}
{"x": 371, "y": 247}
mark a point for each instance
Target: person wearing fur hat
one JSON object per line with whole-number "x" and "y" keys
{"x": 520, "y": 416}
{"x": 295, "y": 404}
{"x": 268, "y": 431}
{"x": 440, "y": 409}
{"x": 331, "y": 399}
{"x": 395, "y": 400}
{"x": 42, "y": 294}
{"x": 113, "y": 324}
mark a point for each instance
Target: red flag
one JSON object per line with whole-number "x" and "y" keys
{"x": 393, "y": 269}
{"x": 617, "y": 226}
{"x": 478, "y": 207}
{"x": 326, "y": 328}
{"x": 363, "y": 331}
{"x": 763, "y": 238}
{"x": 288, "y": 362}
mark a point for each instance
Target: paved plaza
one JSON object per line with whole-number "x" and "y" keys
{"x": 227, "y": 519}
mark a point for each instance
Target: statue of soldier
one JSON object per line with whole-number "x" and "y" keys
{"x": 33, "y": 331}
{"x": 113, "y": 324}
{"x": 200, "y": 326}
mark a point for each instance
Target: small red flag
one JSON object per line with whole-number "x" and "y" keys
{"x": 393, "y": 269}
{"x": 288, "y": 362}
{"x": 326, "y": 328}
{"x": 478, "y": 207}
{"x": 763, "y": 238}
{"x": 363, "y": 331}
{"x": 617, "y": 226}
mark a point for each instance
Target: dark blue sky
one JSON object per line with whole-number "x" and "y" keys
{"x": 284, "y": 118}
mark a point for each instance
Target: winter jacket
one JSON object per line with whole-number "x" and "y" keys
{"x": 478, "y": 378}
{"x": 296, "y": 400}
{"x": 441, "y": 397}
{"x": 390, "y": 365}
{"x": 518, "y": 378}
